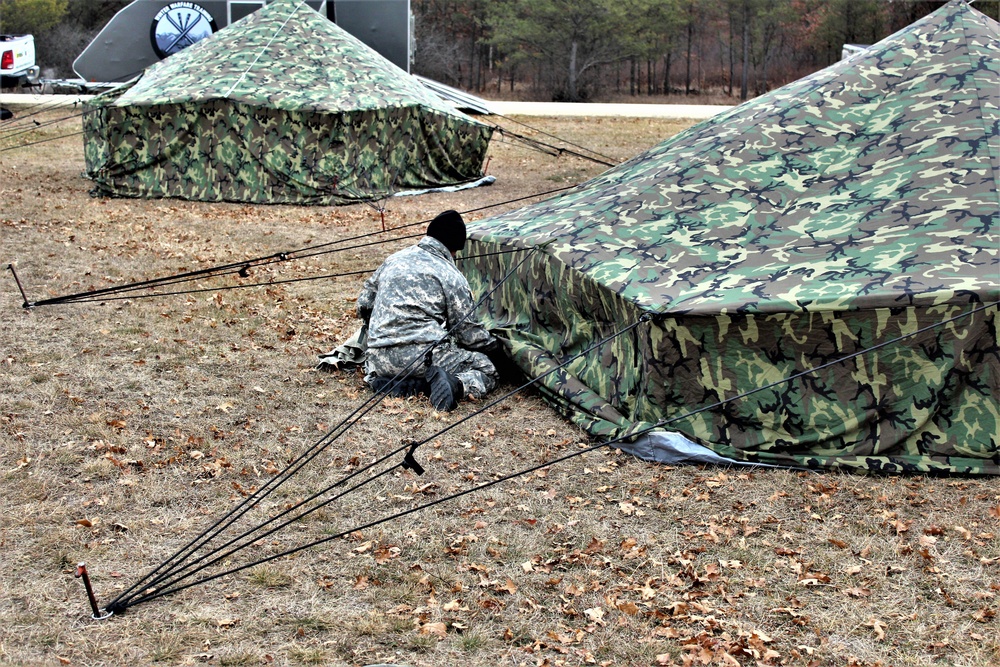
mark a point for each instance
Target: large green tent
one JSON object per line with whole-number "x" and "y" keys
{"x": 852, "y": 212}
{"x": 282, "y": 106}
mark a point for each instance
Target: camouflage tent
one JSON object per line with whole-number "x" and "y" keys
{"x": 282, "y": 106}
{"x": 853, "y": 211}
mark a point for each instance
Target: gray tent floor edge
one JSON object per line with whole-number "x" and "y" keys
{"x": 485, "y": 180}
{"x": 672, "y": 448}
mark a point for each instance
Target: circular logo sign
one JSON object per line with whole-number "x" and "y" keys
{"x": 179, "y": 25}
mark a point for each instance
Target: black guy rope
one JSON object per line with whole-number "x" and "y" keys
{"x": 23, "y": 112}
{"x": 198, "y": 542}
{"x": 272, "y": 484}
{"x": 11, "y": 133}
{"x": 629, "y": 436}
{"x": 411, "y": 447}
{"x": 22, "y": 118}
{"x": 549, "y": 149}
{"x": 243, "y": 266}
{"x": 270, "y": 283}
{"x": 41, "y": 141}
{"x": 566, "y": 141}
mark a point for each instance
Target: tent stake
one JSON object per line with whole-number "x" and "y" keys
{"x": 81, "y": 571}
{"x": 21, "y": 289}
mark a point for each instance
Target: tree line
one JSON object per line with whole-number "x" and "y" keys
{"x": 579, "y": 50}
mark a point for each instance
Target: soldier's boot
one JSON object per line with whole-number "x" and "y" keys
{"x": 446, "y": 389}
{"x": 407, "y": 386}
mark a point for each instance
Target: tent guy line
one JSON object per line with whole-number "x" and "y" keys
{"x": 21, "y": 125}
{"x": 324, "y": 442}
{"x": 41, "y": 141}
{"x": 552, "y": 136}
{"x": 555, "y": 151}
{"x": 315, "y": 449}
{"x": 272, "y": 283}
{"x": 170, "y": 576}
{"x": 30, "y": 111}
{"x": 410, "y": 463}
{"x": 242, "y": 267}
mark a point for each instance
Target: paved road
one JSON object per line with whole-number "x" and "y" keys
{"x": 697, "y": 111}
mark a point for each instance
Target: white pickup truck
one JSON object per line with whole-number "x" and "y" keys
{"x": 17, "y": 61}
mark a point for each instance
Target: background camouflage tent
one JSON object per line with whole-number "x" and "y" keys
{"x": 282, "y": 106}
{"x": 830, "y": 216}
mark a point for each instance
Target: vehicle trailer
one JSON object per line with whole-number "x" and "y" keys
{"x": 146, "y": 31}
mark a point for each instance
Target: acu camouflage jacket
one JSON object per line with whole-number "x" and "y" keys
{"x": 418, "y": 295}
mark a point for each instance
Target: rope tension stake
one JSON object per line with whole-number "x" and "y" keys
{"x": 81, "y": 572}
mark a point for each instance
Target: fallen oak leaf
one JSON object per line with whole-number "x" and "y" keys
{"x": 813, "y": 579}
{"x": 983, "y": 615}
{"x": 900, "y": 526}
{"x": 669, "y": 632}
{"x": 508, "y": 587}
{"x": 628, "y": 608}
{"x": 878, "y": 626}
{"x": 729, "y": 660}
{"x": 435, "y": 629}
{"x": 561, "y": 638}
{"x": 857, "y": 592}
{"x": 384, "y": 553}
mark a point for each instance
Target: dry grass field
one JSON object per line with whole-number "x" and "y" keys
{"x": 128, "y": 426}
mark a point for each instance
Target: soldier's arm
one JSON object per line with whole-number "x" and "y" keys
{"x": 366, "y": 299}
{"x": 469, "y": 333}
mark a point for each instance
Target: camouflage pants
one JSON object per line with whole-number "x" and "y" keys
{"x": 474, "y": 369}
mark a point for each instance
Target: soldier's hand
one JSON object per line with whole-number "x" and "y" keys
{"x": 491, "y": 347}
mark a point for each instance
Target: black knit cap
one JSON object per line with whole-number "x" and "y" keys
{"x": 449, "y": 229}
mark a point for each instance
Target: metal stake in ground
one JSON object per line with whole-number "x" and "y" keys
{"x": 81, "y": 572}
{"x": 24, "y": 296}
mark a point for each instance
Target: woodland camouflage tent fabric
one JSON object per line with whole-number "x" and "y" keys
{"x": 282, "y": 106}
{"x": 831, "y": 216}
